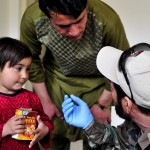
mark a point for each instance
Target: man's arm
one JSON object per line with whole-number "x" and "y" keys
{"x": 102, "y": 110}
{"x": 49, "y": 107}
{"x": 77, "y": 113}
{"x": 102, "y": 136}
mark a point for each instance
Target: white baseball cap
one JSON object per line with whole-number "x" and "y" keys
{"x": 137, "y": 68}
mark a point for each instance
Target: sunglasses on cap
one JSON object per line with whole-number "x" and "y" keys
{"x": 134, "y": 51}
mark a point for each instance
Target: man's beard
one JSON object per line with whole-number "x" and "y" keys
{"x": 120, "y": 112}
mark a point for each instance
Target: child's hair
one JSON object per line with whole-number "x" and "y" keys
{"x": 12, "y": 51}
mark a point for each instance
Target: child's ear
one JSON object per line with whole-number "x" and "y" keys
{"x": 127, "y": 104}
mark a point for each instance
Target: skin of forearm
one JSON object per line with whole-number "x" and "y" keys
{"x": 41, "y": 91}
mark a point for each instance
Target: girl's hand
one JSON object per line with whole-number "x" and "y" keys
{"x": 40, "y": 132}
{"x": 14, "y": 125}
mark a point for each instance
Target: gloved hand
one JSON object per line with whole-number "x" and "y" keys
{"x": 76, "y": 112}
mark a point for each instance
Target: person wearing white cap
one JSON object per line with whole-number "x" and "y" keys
{"x": 129, "y": 75}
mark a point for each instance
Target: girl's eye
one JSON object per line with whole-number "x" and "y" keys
{"x": 28, "y": 69}
{"x": 18, "y": 68}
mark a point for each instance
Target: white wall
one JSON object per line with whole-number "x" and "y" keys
{"x": 135, "y": 15}
{"x": 3, "y": 19}
{"x": 11, "y": 12}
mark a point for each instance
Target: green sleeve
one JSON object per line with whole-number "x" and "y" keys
{"x": 28, "y": 36}
{"x": 113, "y": 30}
{"x": 114, "y": 34}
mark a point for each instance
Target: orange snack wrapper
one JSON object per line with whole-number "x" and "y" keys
{"x": 30, "y": 120}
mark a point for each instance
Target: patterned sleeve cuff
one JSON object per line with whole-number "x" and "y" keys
{"x": 95, "y": 131}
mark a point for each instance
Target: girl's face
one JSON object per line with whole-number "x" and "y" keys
{"x": 13, "y": 78}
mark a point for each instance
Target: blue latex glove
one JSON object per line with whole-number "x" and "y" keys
{"x": 76, "y": 112}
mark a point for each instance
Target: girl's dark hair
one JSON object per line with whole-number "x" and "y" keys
{"x": 66, "y": 7}
{"x": 13, "y": 51}
{"x": 119, "y": 109}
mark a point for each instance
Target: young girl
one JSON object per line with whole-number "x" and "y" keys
{"x": 15, "y": 60}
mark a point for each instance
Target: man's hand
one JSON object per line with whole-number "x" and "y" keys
{"x": 103, "y": 115}
{"x": 51, "y": 110}
{"x": 76, "y": 112}
{"x": 49, "y": 107}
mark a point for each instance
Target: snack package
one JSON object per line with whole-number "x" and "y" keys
{"x": 30, "y": 119}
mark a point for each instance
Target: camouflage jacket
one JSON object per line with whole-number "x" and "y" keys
{"x": 127, "y": 136}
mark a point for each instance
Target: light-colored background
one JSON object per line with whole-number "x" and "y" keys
{"x": 133, "y": 13}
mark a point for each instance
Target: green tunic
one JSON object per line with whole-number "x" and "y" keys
{"x": 69, "y": 67}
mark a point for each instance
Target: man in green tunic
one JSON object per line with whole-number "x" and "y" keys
{"x": 72, "y": 32}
